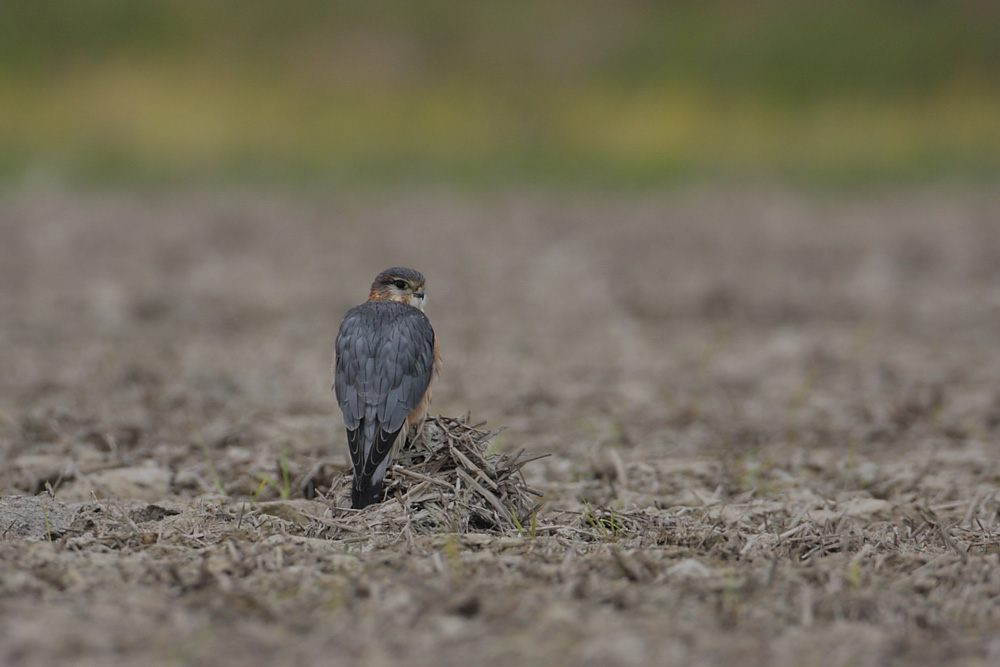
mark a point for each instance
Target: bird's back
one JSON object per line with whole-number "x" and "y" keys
{"x": 383, "y": 367}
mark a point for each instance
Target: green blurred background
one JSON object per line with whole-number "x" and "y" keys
{"x": 573, "y": 93}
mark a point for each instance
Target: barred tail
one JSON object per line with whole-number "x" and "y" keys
{"x": 370, "y": 463}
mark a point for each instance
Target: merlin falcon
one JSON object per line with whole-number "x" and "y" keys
{"x": 384, "y": 360}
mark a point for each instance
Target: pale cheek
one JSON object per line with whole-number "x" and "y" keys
{"x": 419, "y": 303}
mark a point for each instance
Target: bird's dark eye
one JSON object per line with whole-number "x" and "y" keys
{"x": 400, "y": 284}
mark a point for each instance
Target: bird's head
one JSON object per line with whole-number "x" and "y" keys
{"x": 399, "y": 284}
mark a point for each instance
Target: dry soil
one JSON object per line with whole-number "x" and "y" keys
{"x": 771, "y": 419}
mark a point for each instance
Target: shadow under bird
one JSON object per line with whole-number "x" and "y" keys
{"x": 384, "y": 360}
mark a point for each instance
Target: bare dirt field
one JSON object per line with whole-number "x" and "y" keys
{"x": 772, "y": 421}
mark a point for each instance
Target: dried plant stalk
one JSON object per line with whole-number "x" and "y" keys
{"x": 446, "y": 480}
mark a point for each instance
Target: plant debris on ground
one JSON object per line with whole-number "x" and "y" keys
{"x": 444, "y": 480}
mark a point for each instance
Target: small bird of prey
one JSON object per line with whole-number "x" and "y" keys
{"x": 384, "y": 359}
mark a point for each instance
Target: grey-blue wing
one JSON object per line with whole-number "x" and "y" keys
{"x": 383, "y": 366}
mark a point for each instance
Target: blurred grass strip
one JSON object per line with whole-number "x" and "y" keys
{"x": 576, "y": 93}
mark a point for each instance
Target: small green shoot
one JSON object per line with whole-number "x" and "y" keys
{"x": 264, "y": 481}
{"x": 453, "y": 557}
{"x": 607, "y": 526}
{"x": 532, "y": 530}
{"x": 854, "y": 576}
{"x": 284, "y": 489}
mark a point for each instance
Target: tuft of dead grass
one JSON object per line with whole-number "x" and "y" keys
{"x": 445, "y": 480}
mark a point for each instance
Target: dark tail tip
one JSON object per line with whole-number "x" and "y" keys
{"x": 361, "y": 498}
